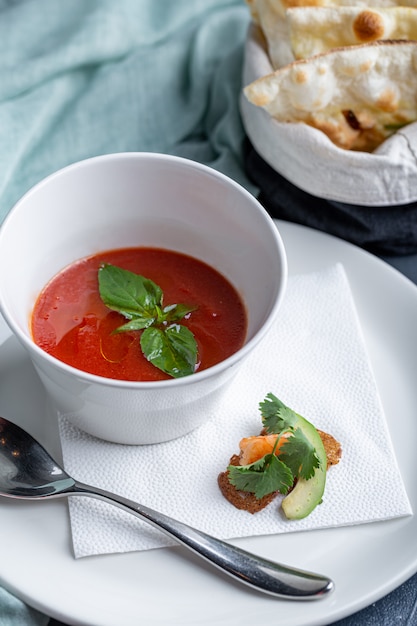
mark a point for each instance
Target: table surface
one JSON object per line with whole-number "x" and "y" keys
{"x": 400, "y": 606}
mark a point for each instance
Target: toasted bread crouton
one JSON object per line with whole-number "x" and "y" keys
{"x": 332, "y": 447}
{"x": 242, "y": 499}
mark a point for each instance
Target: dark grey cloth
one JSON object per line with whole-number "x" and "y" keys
{"x": 381, "y": 230}
{"x": 399, "y": 608}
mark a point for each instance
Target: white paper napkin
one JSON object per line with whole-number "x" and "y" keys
{"x": 314, "y": 359}
{"x": 310, "y": 160}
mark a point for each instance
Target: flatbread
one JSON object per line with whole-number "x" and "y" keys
{"x": 358, "y": 96}
{"x": 279, "y": 7}
{"x": 272, "y": 17}
{"x": 313, "y": 30}
{"x": 252, "y": 4}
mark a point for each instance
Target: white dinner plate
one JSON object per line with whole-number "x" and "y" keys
{"x": 170, "y": 586}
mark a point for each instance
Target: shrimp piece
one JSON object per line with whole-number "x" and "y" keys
{"x": 254, "y": 448}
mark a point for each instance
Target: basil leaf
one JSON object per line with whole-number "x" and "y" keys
{"x": 172, "y": 350}
{"x": 130, "y": 294}
{"x": 176, "y": 312}
{"x": 137, "y": 323}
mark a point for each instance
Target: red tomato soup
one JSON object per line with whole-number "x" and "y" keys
{"x": 71, "y": 322}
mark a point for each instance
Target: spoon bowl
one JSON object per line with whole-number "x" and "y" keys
{"x": 27, "y": 471}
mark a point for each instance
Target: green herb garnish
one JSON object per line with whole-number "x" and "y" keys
{"x": 297, "y": 457}
{"x": 262, "y": 477}
{"x": 169, "y": 346}
{"x": 395, "y": 126}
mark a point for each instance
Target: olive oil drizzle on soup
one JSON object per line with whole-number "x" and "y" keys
{"x": 70, "y": 321}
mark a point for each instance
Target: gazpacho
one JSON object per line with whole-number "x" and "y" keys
{"x": 139, "y": 314}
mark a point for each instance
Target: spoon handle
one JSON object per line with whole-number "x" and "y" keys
{"x": 257, "y": 572}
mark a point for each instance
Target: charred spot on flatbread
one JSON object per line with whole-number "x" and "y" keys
{"x": 368, "y": 26}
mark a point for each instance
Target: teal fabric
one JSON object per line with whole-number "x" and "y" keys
{"x": 14, "y": 612}
{"x": 80, "y": 78}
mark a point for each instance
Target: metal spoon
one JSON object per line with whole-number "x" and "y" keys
{"x": 27, "y": 471}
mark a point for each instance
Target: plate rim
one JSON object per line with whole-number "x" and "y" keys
{"x": 58, "y": 509}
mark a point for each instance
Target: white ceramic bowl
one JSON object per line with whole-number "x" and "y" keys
{"x": 134, "y": 199}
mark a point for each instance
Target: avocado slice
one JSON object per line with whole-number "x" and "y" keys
{"x": 307, "y": 494}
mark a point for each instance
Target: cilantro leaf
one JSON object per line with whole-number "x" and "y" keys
{"x": 262, "y": 477}
{"x": 299, "y": 455}
{"x": 276, "y": 417}
{"x": 172, "y": 350}
{"x": 270, "y": 405}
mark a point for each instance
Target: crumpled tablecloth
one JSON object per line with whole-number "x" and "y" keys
{"x": 80, "y": 78}
{"x": 85, "y": 77}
